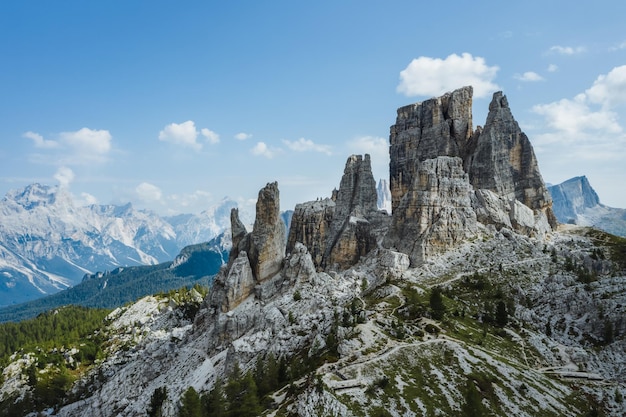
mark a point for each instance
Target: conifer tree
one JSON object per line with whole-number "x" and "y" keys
{"x": 437, "y": 308}
{"x": 502, "y": 315}
{"x": 190, "y": 404}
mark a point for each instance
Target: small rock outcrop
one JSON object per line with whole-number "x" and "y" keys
{"x": 310, "y": 225}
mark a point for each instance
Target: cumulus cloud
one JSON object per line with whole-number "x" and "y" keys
{"x": 426, "y": 76}
{"x": 618, "y": 47}
{"x": 566, "y": 50}
{"x": 198, "y": 198}
{"x": 88, "y": 142}
{"x": 243, "y": 136}
{"x": 39, "y": 141}
{"x": 148, "y": 192}
{"x": 575, "y": 117}
{"x": 307, "y": 145}
{"x": 377, "y": 147}
{"x": 553, "y": 68}
{"x": 587, "y": 126}
{"x": 64, "y": 176}
{"x": 184, "y": 134}
{"x": 528, "y": 76}
{"x": 81, "y": 147}
{"x": 210, "y": 136}
{"x": 261, "y": 149}
{"x": 609, "y": 90}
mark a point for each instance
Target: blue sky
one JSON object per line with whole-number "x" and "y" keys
{"x": 174, "y": 105}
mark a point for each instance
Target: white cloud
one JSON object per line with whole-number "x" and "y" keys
{"x": 86, "y": 199}
{"x": 210, "y": 136}
{"x": 197, "y": 199}
{"x": 426, "y": 76}
{"x": 64, "y": 176}
{"x": 567, "y": 50}
{"x": 528, "y": 76}
{"x": 618, "y": 47}
{"x": 184, "y": 134}
{"x": 82, "y": 147}
{"x": 575, "y": 117}
{"x": 87, "y": 142}
{"x": 377, "y": 147}
{"x": 243, "y": 136}
{"x": 553, "y": 68}
{"x": 609, "y": 90}
{"x": 148, "y": 192}
{"x": 587, "y": 126}
{"x": 307, "y": 145}
{"x": 39, "y": 141}
{"x": 261, "y": 149}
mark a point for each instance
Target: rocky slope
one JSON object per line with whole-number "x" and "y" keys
{"x": 576, "y": 202}
{"x": 466, "y": 300}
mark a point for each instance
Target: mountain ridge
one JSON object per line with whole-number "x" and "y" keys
{"x": 467, "y": 299}
{"x": 48, "y": 244}
{"x": 576, "y": 202}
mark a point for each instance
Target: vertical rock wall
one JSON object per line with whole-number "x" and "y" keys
{"x": 440, "y": 126}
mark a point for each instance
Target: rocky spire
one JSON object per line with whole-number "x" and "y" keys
{"x": 267, "y": 240}
{"x": 437, "y": 127}
{"x": 339, "y": 230}
{"x": 349, "y": 237}
{"x": 255, "y": 257}
{"x": 501, "y": 159}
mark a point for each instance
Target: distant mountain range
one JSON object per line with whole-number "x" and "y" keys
{"x": 576, "y": 202}
{"x": 48, "y": 244}
{"x": 196, "y": 264}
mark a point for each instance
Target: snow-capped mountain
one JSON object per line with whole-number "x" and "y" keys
{"x": 576, "y": 202}
{"x": 47, "y": 243}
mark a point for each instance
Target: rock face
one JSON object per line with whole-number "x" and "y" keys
{"x": 255, "y": 257}
{"x": 576, "y": 202}
{"x": 310, "y": 225}
{"x": 436, "y": 213}
{"x": 340, "y": 230}
{"x": 500, "y": 158}
{"x": 444, "y": 178}
{"x": 572, "y": 197}
{"x": 440, "y": 126}
{"x": 267, "y": 240}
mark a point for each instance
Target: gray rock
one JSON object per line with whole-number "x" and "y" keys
{"x": 440, "y": 126}
{"x": 500, "y": 158}
{"x": 436, "y": 213}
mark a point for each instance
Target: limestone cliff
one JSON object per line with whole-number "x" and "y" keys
{"x": 339, "y": 230}
{"x": 501, "y": 159}
{"x": 436, "y": 212}
{"x": 492, "y": 178}
{"x": 255, "y": 257}
{"x": 440, "y": 126}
